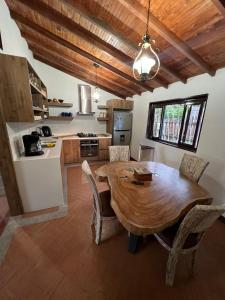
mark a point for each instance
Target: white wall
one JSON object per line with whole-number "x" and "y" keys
{"x": 63, "y": 86}
{"x": 59, "y": 84}
{"x": 212, "y": 139}
{"x": 12, "y": 41}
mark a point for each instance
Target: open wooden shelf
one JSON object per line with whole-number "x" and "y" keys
{"x": 60, "y": 104}
{"x": 102, "y": 107}
{"x": 36, "y": 90}
{"x": 36, "y": 108}
{"x": 60, "y": 118}
{"x": 102, "y": 119}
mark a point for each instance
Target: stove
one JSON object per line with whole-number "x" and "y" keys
{"x": 82, "y": 134}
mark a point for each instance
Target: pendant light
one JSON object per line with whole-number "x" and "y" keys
{"x": 96, "y": 95}
{"x": 146, "y": 64}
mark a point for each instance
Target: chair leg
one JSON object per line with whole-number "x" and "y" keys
{"x": 171, "y": 268}
{"x": 98, "y": 231}
{"x": 93, "y": 220}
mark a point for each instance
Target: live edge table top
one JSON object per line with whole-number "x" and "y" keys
{"x": 149, "y": 208}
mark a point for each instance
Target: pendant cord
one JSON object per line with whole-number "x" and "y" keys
{"x": 148, "y": 16}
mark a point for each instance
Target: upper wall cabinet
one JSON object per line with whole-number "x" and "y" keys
{"x": 21, "y": 91}
{"x": 120, "y": 104}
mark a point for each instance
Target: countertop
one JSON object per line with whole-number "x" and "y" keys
{"x": 49, "y": 153}
{"x": 55, "y": 152}
{"x": 67, "y": 136}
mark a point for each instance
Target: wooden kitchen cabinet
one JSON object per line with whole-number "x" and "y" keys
{"x": 22, "y": 90}
{"x": 120, "y": 104}
{"x": 104, "y": 143}
{"x": 103, "y": 153}
{"x": 71, "y": 151}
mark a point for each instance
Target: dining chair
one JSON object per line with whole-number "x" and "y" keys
{"x": 184, "y": 238}
{"x": 193, "y": 167}
{"x": 119, "y": 153}
{"x": 102, "y": 208}
{"x": 146, "y": 153}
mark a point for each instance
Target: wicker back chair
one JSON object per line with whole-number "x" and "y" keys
{"x": 119, "y": 153}
{"x": 193, "y": 167}
{"x": 102, "y": 208}
{"x": 185, "y": 238}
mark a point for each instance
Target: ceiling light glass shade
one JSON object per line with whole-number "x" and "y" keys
{"x": 146, "y": 64}
{"x": 96, "y": 95}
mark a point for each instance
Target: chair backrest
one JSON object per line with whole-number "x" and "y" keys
{"x": 119, "y": 153}
{"x": 91, "y": 180}
{"x": 193, "y": 167}
{"x": 197, "y": 221}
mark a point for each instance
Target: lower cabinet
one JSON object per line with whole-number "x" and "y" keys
{"x": 103, "y": 154}
{"x": 71, "y": 151}
{"x": 104, "y": 143}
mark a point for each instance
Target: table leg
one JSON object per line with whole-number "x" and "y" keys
{"x": 134, "y": 242}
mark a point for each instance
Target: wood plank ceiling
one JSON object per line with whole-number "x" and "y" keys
{"x": 72, "y": 34}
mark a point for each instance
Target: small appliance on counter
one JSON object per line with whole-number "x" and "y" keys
{"x": 46, "y": 131}
{"x": 32, "y": 145}
{"x": 42, "y": 131}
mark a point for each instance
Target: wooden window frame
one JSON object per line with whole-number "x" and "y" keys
{"x": 188, "y": 104}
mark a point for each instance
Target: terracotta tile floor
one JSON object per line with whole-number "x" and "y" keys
{"x": 58, "y": 260}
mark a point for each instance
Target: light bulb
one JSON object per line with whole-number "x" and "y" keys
{"x": 146, "y": 65}
{"x": 96, "y": 95}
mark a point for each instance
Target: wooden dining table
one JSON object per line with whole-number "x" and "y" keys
{"x": 149, "y": 208}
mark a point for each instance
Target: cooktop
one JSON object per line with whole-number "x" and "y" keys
{"x": 82, "y": 134}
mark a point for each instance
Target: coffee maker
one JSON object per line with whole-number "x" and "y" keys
{"x": 32, "y": 145}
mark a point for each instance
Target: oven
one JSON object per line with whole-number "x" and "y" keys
{"x": 88, "y": 148}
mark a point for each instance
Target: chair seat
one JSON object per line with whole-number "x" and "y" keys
{"x": 169, "y": 234}
{"x": 106, "y": 209}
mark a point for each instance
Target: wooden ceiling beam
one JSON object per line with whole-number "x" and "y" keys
{"x": 23, "y": 20}
{"x": 135, "y": 8}
{"x": 82, "y": 10}
{"x": 32, "y": 38}
{"x": 37, "y": 49}
{"x": 51, "y": 53}
{"x": 57, "y": 65}
{"x": 79, "y": 50}
{"x": 55, "y": 16}
{"x": 75, "y": 28}
{"x": 220, "y": 5}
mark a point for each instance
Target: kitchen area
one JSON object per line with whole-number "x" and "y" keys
{"x": 49, "y": 135}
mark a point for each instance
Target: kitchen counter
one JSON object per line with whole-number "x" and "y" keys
{"x": 40, "y": 179}
{"x": 49, "y": 153}
{"x": 55, "y": 152}
{"x": 75, "y": 136}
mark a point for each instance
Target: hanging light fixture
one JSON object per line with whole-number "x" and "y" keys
{"x": 96, "y": 95}
{"x": 146, "y": 64}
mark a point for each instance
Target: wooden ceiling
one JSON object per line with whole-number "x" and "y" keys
{"x": 72, "y": 34}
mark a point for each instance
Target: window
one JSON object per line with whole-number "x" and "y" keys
{"x": 177, "y": 122}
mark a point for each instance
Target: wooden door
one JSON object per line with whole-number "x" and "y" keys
{"x": 103, "y": 154}
{"x": 76, "y": 150}
{"x": 104, "y": 143}
{"x": 71, "y": 150}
